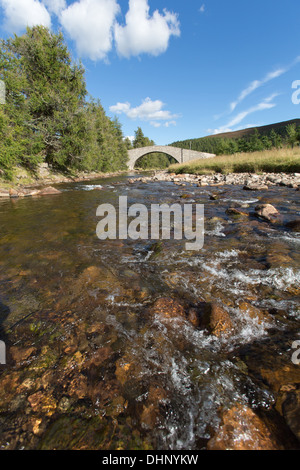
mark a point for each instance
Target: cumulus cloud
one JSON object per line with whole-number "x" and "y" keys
{"x": 149, "y": 110}
{"x": 18, "y": 14}
{"x": 90, "y": 24}
{"x": 143, "y": 33}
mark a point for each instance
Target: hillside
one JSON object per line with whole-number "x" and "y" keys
{"x": 279, "y": 127}
{"x": 246, "y": 140}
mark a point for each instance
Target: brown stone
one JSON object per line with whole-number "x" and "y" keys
{"x": 193, "y": 317}
{"x": 267, "y": 212}
{"x": 100, "y": 356}
{"x": 255, "y": 313}
{"x": 156, "y": 394}
{"x": 242, "y": 429}
{"x": 291, "y": 411}
{"x": 78, "y": 387}
{"x": 122, "y": 371}
{"x": 21, "y": 354}
{"x": 237, "y": 212}
{"x": 48, "y": 191}
{"x": 220, "y": 323}
{"x": 255, "y": 187}
{"x": 149, "y": 416}
{"x": 13, "y": 192}
{"x": 278, "y": 377}
{"x": 168, "y": 307}
{"x": 42, "y": 403}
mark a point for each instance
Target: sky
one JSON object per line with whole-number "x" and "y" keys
{"x": 178, "y": 69}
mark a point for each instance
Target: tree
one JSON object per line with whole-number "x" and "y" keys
{"x": 292, "y": 134}
{"x": 128, "y": 143}
{"x": 275, "y": 139}
{"x": 55, "y": 92}
{"x": 46, "y": 116}
{"x": 140, "y": 140}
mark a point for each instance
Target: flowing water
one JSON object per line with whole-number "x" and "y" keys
{"x": 93, "y": 362}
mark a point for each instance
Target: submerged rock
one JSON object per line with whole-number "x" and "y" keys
{"x": 294, "y": 225}
{"x": 242, "y": 429}
{"x": 42, "y": 403}
{"x": 291, "y": 410}
{"x": 236, "y": 212}
{"x": 168, "y": 307}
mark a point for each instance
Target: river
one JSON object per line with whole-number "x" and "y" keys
{"x": 106, "y": 342}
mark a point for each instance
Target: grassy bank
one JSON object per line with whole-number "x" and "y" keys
{"x": 268, "y": 161}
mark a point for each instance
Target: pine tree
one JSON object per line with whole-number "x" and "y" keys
{"x": 292, "y": 134}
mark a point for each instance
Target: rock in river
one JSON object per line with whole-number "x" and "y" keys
{"x": 267, "y": 212}
{"x": 48, "y": 191}
{"x": 242, "y": 429}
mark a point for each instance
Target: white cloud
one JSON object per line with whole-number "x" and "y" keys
{"x": 149, "y": 110}
{"x": 264, "y": 105}
{"x": 55, "y": 6}
{"x": 202, "y": 8}
{"x": 120, "y": 108}
{"x": 130, "y": 137}
{"x": 144, "y": 33}
{"x": 255, "y": 85}
{"x": 170, "y": 123}
{"x": 18, "y": 14}
{"x": 90, "y": 24}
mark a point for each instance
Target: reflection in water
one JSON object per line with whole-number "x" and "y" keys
{"x": 110, "y": 344}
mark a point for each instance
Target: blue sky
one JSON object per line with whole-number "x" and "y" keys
{"x": 178, "y": 69}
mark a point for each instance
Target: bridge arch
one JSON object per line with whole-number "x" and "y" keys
{"x": 180, "y": 155}
{"x": 136, "y": 154}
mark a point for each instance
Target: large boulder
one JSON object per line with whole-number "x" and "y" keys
{"x": 267, "y": 212}
{"x": 242, "y": 429}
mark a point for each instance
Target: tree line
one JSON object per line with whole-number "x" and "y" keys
{"x": 287, "y": 136}
{"x": 48, "y": 115}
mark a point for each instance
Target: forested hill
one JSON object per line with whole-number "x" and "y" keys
{"x": 247, "y": 140}
{"x": 48, "y": 115}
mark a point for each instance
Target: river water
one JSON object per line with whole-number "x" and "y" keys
{"x": 95, "y": 360}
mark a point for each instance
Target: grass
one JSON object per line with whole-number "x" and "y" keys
{"x": 268, "y": 161}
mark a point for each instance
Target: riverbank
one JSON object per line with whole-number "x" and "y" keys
{"x": 249, "y": 181}
{"x": 27, "y": 184}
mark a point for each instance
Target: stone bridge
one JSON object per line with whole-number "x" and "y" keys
{"x": 180, "y": 155}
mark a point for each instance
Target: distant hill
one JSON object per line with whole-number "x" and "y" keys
{"x": 279, "y": 127}
{"x": 245, "y": 140}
